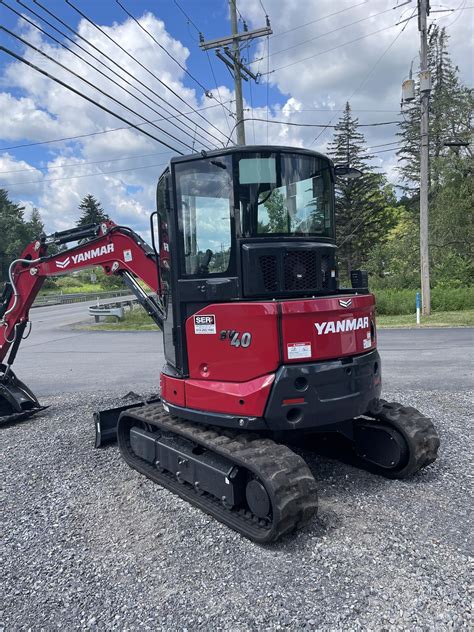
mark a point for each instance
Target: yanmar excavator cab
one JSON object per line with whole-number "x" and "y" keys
{"x": 262, "y": 346}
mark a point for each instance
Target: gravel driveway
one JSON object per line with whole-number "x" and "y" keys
{"x": 89, "y": 544}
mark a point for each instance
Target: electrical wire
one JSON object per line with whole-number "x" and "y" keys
{"x": 130, "y": 15}
{"x": 94, "y": 87}
{"x": 85, "y": 175}
{"x": 251, "y": 94}
{"x": 268, "y": 81}
{"x": 328, "y": 50}
{"x": 23, "y": 17}
{"x": 218, "y": 92}
{"x": 110, "y": 59}
{"x": 323, "y": 125}
{"x": 84, "y": 96}
{"x": 339, "y": 28}
{"x": 324, "y": 17}
{"x": 104, "y": 131}
{"x": 186, "y": 16}
{"x": 168, "y": 87}
{"x": 81, "y": 164}
{"x": 364, "y": 80}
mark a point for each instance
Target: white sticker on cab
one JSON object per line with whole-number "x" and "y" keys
{"x": 297, "y": 350}
{"x": 205, "y": 324}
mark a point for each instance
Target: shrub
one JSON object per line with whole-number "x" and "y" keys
{"x": 392, "y": 302}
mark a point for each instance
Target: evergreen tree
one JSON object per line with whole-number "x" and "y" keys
{"x": 451, "y": 194}
{"x": 451, "y": 105}
{"x": 14, "y": 234}
{"x": 35, "y": 225}
{"x": 364, "y": 207}
{"x": 91, "y": 211}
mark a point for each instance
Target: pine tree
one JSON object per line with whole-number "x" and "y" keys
{"x": 35, "y": 224}
{"x": 451, "y": 105}
{"x": 92, "y": 211}
{"x": 365, "y": 206}
{"x": 14, "y": 234}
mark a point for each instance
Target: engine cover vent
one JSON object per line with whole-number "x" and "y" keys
{"x": 287, "y": 268}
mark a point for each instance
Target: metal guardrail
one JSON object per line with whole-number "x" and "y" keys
{"x": 77, "y": 297}
{"x": 113, "y": 308}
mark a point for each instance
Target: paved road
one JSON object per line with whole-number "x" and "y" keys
{"x": 58, "y": 359}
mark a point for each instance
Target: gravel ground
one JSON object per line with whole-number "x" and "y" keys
{"x": 89, "y": 544}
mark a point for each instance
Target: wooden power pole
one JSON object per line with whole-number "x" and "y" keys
{"x": 425, "y": 87}
{"x": 233, "y": 61}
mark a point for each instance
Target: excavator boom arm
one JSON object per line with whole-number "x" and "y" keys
{"x": 119, "y": 250}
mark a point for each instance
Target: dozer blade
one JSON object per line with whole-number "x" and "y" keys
{"x": 17, "y": 402}
{"x": 106, "y": 421}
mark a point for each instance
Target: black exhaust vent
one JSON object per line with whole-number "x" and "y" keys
{"x": 287, "y": 268}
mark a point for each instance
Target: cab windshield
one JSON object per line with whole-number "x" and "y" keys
{"x": 285, "y": 194}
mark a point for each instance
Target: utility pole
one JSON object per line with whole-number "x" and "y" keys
{"x": 239, "y": 102}
{"x": 425, "y": 87}
{"x": 233, "y": 61}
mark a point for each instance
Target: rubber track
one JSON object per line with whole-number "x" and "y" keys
{"x": 285, "y": 475}
{"x": 417, "y": 430}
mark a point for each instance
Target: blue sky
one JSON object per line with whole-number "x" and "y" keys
{"x": 321, "y": 54}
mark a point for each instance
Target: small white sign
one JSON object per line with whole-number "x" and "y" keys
{"x": 297, "y": 350}
{"x": 127, "y": 255}
{"x": 205, "y": 324}
{"x": 367, "y": 343}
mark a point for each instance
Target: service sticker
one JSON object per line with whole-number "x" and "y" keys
{"x": 298, "y": 350}
{"x": 367, "y": 343}
{"x": 205, "y": 324}
{"x": 127, "y": 255}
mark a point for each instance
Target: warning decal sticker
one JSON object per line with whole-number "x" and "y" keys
{"x": 205, "y": 324}
{"x": 297, "y": 350}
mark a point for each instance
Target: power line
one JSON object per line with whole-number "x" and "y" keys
{"x": 84, "y": 175}
{"x": 324, "y": 17}
{"x": 79, "y": 36}
{"x": 168, "y": 87}
{"x": 328, "y": 50}
{"x": 104, "y": 131}
{"x": 206, "y": 91}
{"x": 323, "y": 125}
{"x": 186, "y": 16}
{"x": 80, "y": 164}
{"x": 364, "y": 80}
{"x": 84, "y": 96}
{"x": 189, "y": 21}
{"x": 339, "y": 28}
{"x": 218, "y": 91}
{"x": 86, "y": 81}
{"x": 98, "y": 69}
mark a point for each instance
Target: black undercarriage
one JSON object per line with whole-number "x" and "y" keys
{"x": 253, "y": 483}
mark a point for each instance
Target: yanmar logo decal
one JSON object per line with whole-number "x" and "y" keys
{"x": 63, "y": 264}
{"x": 93, "y": 253}
{"x": 345, "y": 302}
{"x": 341, "y": 326}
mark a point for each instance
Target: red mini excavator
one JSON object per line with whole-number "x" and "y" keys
{"x": 262, "y": 347}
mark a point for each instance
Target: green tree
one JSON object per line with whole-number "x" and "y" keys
{"x": 35, "y": 225}
{"x": 451, "y": 105}
{"x": 365, "y": 207}
{"x": 14, "y": 235}
{"x": 91, "y": 211}
{"x": 276, "y": 212}
{"x": 451, "y": 196}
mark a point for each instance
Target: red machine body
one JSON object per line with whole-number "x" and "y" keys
{"x": 288, "y": 332}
